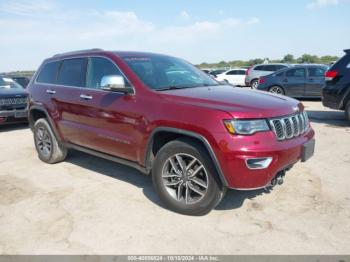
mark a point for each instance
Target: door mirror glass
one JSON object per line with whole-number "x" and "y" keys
{"x": 115, "y": 83}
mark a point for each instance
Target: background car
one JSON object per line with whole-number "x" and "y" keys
{"x": 299, "y": 81}
{"x": 233, "y": 76}
{"x": 22, "y": 80}
{"x": 336, "y": 93}
{"x": 255, "y": 72}
{"x": 216, "y": 72}
{"x": 13, "y": 102}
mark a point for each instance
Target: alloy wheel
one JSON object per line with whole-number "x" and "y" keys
{"x": 185, "y": 178}
{"x": 276, "y": 90}
{"x": 43, "y": 141}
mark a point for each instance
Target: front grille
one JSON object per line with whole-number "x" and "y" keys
{"x": 290, "y": 126}
{"x": 13, "y": 101}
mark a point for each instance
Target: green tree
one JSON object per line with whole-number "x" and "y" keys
{"x": 288, "y": 58}
{"x": 309, "y": 59}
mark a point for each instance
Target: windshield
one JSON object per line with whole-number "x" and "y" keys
{"x": 8, "y": 83}
{"x": 163, "y": 72}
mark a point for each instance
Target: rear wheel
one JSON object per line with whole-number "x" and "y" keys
{"x": 185, "y": 178}
{"x": 48, "y": 148}
{"x": 254, "y": 84}
{"x": 347, "y": 111}
{"x": 277, "y": 90}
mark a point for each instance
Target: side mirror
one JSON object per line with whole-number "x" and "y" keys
{"x": 115, "y": 83}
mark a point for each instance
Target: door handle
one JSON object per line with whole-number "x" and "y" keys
{"x": 85, "y": 97}
{"x": 51, "y": 92}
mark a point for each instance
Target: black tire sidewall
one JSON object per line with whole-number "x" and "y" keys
{"x": 213, "y": 194}
{"x": 41, "y": 123}
{"x": 347, "y": 111}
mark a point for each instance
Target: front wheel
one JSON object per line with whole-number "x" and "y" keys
{"x": 185, "y": 178}
{"x": 276, "y": 90}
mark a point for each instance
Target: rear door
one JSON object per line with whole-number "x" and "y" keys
{"x": 314, "y": 81}
{"x": 65, "y": 98}
{"x": 294, "y": 82}
{"x": 231, "y": 76}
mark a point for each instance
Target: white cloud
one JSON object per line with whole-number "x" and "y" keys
{"x": 253, "y": 20}
{"x": 29, "y": 38}
{"x": 184, "y": 15}
{"x": 27, "y": 7}
{"x": 322, "y": 3}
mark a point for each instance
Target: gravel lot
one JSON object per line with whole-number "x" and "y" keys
{"x": 88, "y": 205}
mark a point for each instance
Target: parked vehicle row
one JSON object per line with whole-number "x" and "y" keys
{"x": 167, "y": 118}
{"x": 296, "y": 81}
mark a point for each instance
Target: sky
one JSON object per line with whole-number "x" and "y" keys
{"x": 196, "y": 30}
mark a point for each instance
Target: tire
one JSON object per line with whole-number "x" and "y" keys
{"x": 254, "y": 84}
{"x": 276, "y": 90}
{"x": 48, "y": 147}
{"x": 179, "y": 192}
{"x": 347, "y": 111}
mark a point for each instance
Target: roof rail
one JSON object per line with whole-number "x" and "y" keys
{"x": 79, "y": 52}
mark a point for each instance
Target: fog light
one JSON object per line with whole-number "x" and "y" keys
{"x": 258, "y": 163}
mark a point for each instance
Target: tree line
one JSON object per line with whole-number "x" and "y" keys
{"x": 288, "y": 58}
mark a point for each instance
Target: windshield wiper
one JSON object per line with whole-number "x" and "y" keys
{"x": 173, "y": 88}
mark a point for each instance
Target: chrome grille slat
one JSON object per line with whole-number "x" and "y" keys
{"x": 13, "y": 101}
{"x": 290, "y": 126}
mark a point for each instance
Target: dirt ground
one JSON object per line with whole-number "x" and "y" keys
{"x": 88, "y": 205}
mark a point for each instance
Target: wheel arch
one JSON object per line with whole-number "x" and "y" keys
{"x": 36, "y": 112}
{"x": 162, "y": 135}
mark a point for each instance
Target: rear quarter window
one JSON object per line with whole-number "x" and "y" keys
{"x": 48, "y": 73}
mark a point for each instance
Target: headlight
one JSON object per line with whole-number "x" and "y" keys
{"x": 246, "y": 127}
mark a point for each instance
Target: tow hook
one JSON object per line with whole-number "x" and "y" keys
{"x": 277, "y": 180}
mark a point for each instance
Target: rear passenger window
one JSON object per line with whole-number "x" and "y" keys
{"x": 279, "y": 67}
{"x": 259, "y": 68}
{"x": 97, "y": 69}
{"x": 48, "y": 74}
{"x": 73, "y": 72}
{"x": 316, "y": 72}
{"x": 271, "y": 68}
{"x": 240, "y": 72}
{"x": 297, "y": 72}
{"x": 232, "y": 72}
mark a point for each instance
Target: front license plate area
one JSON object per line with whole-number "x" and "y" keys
{"x": 308, "y": 150}
{"x": 20, "y": 114}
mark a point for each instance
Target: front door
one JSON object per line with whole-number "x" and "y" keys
{"x": 110, "y": 122}
{"x": 294, "y": 82}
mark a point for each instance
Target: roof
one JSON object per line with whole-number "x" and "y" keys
{"x": 347, "y": 51}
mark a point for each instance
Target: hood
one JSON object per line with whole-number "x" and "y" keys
{"x": 239, "y": 102}
{"x": 6, "y": 92}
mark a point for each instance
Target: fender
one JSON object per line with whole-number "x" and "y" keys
{"x": 190, "y": 134}
{"x": 41, "y": 108}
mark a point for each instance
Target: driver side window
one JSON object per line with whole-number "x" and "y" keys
{"x": 99, "y": 67}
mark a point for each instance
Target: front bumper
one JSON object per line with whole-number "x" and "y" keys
{"x": 234, "y": 152}
{"x": 13, "y": 116}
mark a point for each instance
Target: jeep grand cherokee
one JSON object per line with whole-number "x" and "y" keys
{"x": 167, "y": 118}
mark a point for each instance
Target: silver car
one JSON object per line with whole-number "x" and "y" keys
{"x": 255, "y": 72}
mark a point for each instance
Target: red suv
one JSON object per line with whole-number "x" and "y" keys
{"x": 167, "y": 118}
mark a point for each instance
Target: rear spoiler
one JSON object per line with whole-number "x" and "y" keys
{"x": 347, "y": 51}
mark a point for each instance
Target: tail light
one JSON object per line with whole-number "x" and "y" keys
{"x": 330, "y": 75}
{"x": 248, "y": 71}
{"x": 262, "y": 80}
